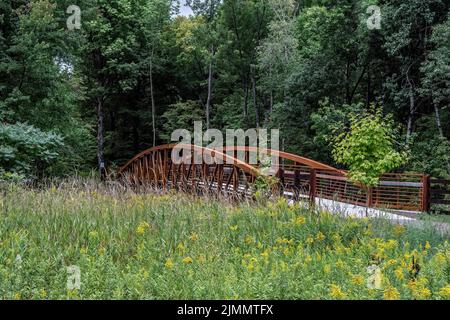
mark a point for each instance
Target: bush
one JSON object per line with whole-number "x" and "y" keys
{"x": 26, "y": 150}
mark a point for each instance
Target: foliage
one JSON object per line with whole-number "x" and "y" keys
{"x": 368, "y": 148}
{"x": 298, "y": 66}
{"x": 181, "y": 115}
{"x": 132, "y": 246}
{"x": 27, "y": 150}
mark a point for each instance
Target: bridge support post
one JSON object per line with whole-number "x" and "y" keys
{"x": 312, "y": 187}
{"x": 426, "y": 201}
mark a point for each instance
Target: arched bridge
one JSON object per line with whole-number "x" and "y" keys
{"x": 234, "y": 171}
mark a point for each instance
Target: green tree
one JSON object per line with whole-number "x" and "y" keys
{"x": 368, "y": 148}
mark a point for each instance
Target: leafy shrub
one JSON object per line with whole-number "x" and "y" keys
{"x": 27, "y": 150}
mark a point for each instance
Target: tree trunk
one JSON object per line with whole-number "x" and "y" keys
{"x": 152, "y": 97}
{"x": 100, "y": 139}
{"x": 438, "y": 120}
{"x": 255, "y": 104}
{"x": 412, "y": 109}
{"x": 245, "y": 100}
{"x": 210, "y": 80}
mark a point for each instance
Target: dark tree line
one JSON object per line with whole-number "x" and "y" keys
{"x": 71, "y": 101}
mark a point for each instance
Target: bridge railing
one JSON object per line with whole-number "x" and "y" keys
{"x": 395, "y": 191}
{"x": 299, "y": 178}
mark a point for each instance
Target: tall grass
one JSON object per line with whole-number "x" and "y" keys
{"x": 132, "y": 245}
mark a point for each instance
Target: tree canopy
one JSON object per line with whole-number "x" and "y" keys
{"x": 76, "y": 100}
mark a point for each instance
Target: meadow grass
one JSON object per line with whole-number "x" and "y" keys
{"x": 170, "y": 246}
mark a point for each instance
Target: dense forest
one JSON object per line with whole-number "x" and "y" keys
{"x": 74, "y": 100}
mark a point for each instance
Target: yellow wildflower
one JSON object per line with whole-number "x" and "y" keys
{"x": 169, "y": 264}
{"x": 142, "y": 227}
{"x": 299, "y": 220}
{"x": 340, "y": 264}
{"x": 265, "y": 254}
{"x": 399, "y": 274}
{"x": 336, "y": 292}
{"x": 357, "y": 280}
{"x": 320, "y": 236}
{"x": 83, "y": 250}
{"x": 399, "y": 230}
{"x": 418, "y": 289}
{"x": 181, "y": 247}
{"x": 309, "y": 240}
{"x": 308, "y": 259}
{"x": 234, "y": 228}
{"x": 188, "y": 260}
{"x": 43, "y": 294}
{"x": 193, "y": 236}
{"x": 391, "y": 293}
{"x": 93, "y": 234}
{"x": 427, "y": 246}
{"x": 248, "y": 239}
{"x": 327, "y": 268}
{"x": 391, "y": 244}
{"x": 445, "y": 292}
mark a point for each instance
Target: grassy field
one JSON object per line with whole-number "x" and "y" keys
{"x": 130, "y": 246}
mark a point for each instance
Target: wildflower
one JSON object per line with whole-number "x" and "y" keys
{"x": 169, "y": 264}
{"x": 188, "y": 260}
{"x": 145, "y": 273}
{"x": 308, "y": 259}
{"x": 251, "y": 264}
{"x": 399, "y": 273}
{"x": 389, "y": 263}
{"x": 181, "y": 247}
{"x": 390, "y": 244}
{"x": 142, "y": 227}
{"x": 418, "y": 289}
{"x": 234, "y": 228}
{"x": 339, "y": 264}
{"x": 299, "y": 220}
{"x": 336, "y": 292}
{"x": 193, "y": 236}
{"x": 93, "y": 234}
{"x": 357, "y": 280}
{"x": 248, "y": 239}
{"x": 320, "y": 236}
{"x": 399, "y": 230}
{"x": 327, "y": 268}
{"x": 43, "y": 294}
{"x": 309, "y": 240}
{"x": 445, "y": 292}
{"x": 391, "y": 293}
{"x": 265, "y": 254}
{"x": 83, "y": 250}
{"x": 427, "y": 246}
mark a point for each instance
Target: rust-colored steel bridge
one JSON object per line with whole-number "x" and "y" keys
{"x": 230, "y": 172}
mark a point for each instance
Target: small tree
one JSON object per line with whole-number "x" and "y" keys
{"x": 368, "y": 148}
